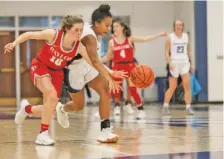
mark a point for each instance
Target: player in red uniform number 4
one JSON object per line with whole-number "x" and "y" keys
{"x": 121, "y": 51}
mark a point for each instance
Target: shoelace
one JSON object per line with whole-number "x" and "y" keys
{"x": 110, "y": 129}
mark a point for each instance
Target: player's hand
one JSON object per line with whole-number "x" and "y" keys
{"x": 162, "y": 34}
{"x": 171, "y": 66}
{"x": 114, "y": 86}
{"x": 119, "y": 74}
{"x": 8, "y": 48}
{"x": 192, "y": 69}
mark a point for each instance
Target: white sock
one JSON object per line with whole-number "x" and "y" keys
{"x": 188, "y": 106}
{"x": 166, "y": 105}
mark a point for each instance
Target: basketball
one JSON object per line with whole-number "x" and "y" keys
{"x": 142, "y": 76}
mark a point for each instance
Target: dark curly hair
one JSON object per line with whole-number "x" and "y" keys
{"x": 100, "y": 13}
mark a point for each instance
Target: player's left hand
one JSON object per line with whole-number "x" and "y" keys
{"x": 192, "y": 69}
{"x": 119, "y": 74}
{"x": 114, "y": 86}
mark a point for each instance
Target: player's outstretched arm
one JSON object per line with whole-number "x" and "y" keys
{"x": 149, "y": 38}
{"x": 117, "y": 74}
{"x": 47, "y": 35}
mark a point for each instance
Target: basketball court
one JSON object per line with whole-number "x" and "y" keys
{"x": 157, "y": 137}
{"x": 178, "y": 136}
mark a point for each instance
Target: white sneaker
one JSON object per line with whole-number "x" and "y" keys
{"x": 44, "y": 139}
{"x": 128, "y": 109}
{"x": 106, "y": 136}
{"x": 141, "y": 114}
{"x": 62, "y": 117}
{"x": 21, "y": 114}
{"x": 97, "y": 115}
{"x": 117, "y": 110}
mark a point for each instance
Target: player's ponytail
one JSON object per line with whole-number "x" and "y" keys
{"x": 127, "y": 30}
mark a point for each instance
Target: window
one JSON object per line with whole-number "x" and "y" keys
{"x": 7, "y": 22}
{"x": 56, "y": 21}
{"x": 104, "y": 44}
{"x": 37, "y": 21}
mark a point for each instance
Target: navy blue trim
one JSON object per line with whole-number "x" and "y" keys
{"x": 67, "y": 85}
{"x": 77, "y": 57}
{"x": 169, "y": 73}
{"x": 200, "y": 17}
{"x": 195, "y": 155}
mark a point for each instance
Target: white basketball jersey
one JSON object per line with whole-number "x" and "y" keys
{"x": 89, "y": 31}
{"x": 178, "y": 48}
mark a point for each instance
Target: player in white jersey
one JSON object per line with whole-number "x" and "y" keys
{"x": 179, "y": 60}
{"x": 79, "y": 73}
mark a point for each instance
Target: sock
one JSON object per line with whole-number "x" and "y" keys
{"x": 141, "y": 107}
{"x": 105, "y": 123}
{"x": 188, "y": 106}
{"x": 44, "y": 127}
{"x": 127, "y": 102}
{"x": 117, "y": 105}
{"x": 28, "y": 109}
{"x": 166, "y": 105}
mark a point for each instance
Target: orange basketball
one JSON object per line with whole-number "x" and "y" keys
{"x": 142, "y": 76}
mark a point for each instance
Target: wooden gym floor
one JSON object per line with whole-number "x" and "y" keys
{"x": 157, "y": 137}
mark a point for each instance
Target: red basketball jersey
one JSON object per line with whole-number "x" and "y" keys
{"x": 123, "y": 52}
{"x": 53, "y": 55}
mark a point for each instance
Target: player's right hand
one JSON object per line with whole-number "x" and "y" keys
{"x": 8, "y": 48}
{"x": 114, "y": 86}
{"x": 162, "y": 34}
{"x": 171, "y": 66}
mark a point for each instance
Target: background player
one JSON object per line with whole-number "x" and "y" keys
{"x": 179, "y": 59}
{"x": 121, "y": 50}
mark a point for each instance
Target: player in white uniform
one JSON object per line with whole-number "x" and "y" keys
{"x": 179, "y": 60}
{"x": 79, "y": 73}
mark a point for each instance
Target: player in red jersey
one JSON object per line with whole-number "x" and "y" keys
{"x": 46, "y": 69}
{"x": 121, "y": 50}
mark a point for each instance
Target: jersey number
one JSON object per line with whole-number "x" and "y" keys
{"x": 180, "y": 49}
{"x": 122, "y": 54}
{"x": 56, "y": 61}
